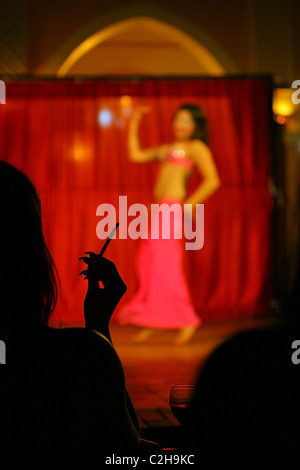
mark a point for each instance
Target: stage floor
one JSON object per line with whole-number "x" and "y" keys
{"x": 151, "y": 367}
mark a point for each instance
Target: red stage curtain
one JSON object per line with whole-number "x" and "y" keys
{"x": 50, "y": 130}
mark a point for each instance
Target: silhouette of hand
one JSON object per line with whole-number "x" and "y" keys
{"x": 101, "y": 299}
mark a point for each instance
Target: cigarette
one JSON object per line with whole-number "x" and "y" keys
{"x": 109, "y": 239}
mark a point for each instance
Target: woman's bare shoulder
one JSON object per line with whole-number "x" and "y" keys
{"x": 83, "y": 342}
{"x": 197, "y": 145}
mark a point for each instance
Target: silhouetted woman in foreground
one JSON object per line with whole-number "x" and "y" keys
{"x": 60, "y": 388}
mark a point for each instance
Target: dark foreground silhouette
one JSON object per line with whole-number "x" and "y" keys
{"x": 59, "y": 388}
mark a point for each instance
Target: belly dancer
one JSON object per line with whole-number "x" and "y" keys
{"x": 162, "y": 300}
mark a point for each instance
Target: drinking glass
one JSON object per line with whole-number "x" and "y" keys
{"x": 180, "y": 401}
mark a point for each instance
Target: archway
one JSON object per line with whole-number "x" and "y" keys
{"x": 140, "y": 46}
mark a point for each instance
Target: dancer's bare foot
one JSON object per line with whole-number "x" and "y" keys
{"x": 143, "y": 335}
{"x": 185, "y": 334}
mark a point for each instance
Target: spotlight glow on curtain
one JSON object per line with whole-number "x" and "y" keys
{"x": 70, "y": 139}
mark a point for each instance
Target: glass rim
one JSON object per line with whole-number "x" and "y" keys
{"x": 183, "y": 385}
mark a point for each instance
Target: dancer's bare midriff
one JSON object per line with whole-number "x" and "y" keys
{"x": 171, "y": 182}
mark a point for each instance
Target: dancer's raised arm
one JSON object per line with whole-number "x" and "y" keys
{"x": 136, "y": 153}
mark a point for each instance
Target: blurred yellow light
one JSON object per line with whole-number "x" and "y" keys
{"x": 282, "y": 102}
{"x": 125, "y": 101}
{"x": 80, "y": 152}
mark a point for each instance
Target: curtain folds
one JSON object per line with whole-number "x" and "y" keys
{"x": 70, "y": 139}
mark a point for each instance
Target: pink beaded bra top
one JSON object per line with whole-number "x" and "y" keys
{"x": 177, "y": 156}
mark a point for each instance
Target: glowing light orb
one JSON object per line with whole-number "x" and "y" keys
{"x": 126, "y": 101}
{"x": 105, "y": 118}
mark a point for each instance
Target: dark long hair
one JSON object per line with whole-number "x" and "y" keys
{"x": 199, "y": 118}
{"x": 28, "y": 284}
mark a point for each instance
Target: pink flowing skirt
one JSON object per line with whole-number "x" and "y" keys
{"x": 162, "y": 299}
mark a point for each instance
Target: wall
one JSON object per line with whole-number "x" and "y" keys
{"x": 253, "y": 36}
